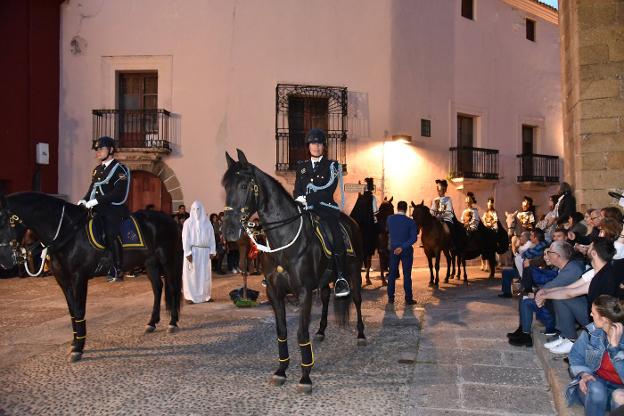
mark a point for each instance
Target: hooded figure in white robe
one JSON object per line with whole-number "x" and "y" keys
{"x": 198, "y": 242}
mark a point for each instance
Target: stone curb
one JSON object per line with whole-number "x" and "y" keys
{"x": 556, "y": 371}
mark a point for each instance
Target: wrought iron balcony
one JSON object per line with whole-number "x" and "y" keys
{"x": 538, "y": 168}
{"x": 142, "y": 129}
{"x": 473, "y": 163}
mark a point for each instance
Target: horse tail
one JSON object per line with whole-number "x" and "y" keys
{"x": 342, "y": 310}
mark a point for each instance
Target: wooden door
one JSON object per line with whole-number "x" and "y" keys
{"x": 465, "y": 143}
{"x": 147, "y": 189}
{"x": 137, "y": 103}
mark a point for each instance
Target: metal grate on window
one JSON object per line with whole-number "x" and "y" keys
{"x": 425, "y": 127}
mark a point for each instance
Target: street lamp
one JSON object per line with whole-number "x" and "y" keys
{"x": 399, "y": 138}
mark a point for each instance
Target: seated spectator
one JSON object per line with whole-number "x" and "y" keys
{"x": 559, "y": 255}
{"x": 595, "y": 359}
{"x": 525, "y": 243}
{"x": 571, "y": 305}
{"x": 575, "y": 224}
{"x": 588, "y": 221}
{"x": 612, "y": 212}
{"x": 594, "y": 223}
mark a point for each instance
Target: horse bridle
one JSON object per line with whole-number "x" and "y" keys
{"x": 249, "y": 227}
{"x": 19, "y": 252}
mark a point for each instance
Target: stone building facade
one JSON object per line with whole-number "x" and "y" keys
{"x": 592, "y": 57}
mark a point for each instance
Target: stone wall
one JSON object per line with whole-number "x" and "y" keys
{"x": 592, "y": 62}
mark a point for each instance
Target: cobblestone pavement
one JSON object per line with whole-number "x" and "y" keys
{"x": 221, "y": 359}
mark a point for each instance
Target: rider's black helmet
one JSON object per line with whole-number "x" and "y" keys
{"x": 104, "y": 141}
{"x": 316, "y": 136}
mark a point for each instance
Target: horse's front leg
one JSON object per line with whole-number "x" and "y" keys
{"x": 65, "y": 286}
{"x": 367, "y": 263}
{"x": 463, "y": 263}
{"x": 279, "y": 308}
{"x": 430, "y": 262}
{"x": 303, "y": 336}
{"x": 437, "y": 269}
{"x": 448, "y": 264}
{"x": 80, "y": 324}
{"x": 325, "y": 292}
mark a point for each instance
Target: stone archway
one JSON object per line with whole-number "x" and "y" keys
{"x": 142, "y": 161}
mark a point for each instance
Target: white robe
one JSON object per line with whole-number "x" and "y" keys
{"x": 197, "y": 240}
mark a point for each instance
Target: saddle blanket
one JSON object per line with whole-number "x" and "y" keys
{"x": 129, "y": 232}
{"x": 324, "y": 236}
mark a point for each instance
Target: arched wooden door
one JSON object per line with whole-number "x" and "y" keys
{"x": 147, "y": 189}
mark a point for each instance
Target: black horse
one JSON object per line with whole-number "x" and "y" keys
{"x": 61, "y": 227}
{"x": 436, "y": 240}
{"x": 484, "y": 242}
{"x": 300, "y": 263}
{"x": 374, "y": 233}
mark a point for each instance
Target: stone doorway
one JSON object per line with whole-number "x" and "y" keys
{"x": 148, "y": 189}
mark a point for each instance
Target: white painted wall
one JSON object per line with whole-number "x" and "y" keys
{"x": 402, "y": 60}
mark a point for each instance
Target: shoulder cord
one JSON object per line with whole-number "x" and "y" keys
{"x": 106, "y": 180}
{"x": 335, "y": 170}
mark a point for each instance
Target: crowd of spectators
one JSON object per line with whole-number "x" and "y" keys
{"x": 569, "y": 273}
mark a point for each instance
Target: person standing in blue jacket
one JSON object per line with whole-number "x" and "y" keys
{"x": 403, "y": 232}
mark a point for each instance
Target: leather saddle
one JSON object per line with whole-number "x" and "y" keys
{"x": 129, "y": 233}
{"x": 324, "y": 234}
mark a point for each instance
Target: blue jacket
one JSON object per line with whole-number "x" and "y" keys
{"x": 536, "y": 251}
{"x": 403, "y": 231}
{"x": 586, "y": 355}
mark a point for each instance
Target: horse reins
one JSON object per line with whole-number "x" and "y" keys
{"x": 245, "y": 212}
{"x": 15, "y": 246}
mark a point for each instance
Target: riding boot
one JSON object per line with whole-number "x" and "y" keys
{"x": 341, "y": 285}
{"x": 115, "y": 273}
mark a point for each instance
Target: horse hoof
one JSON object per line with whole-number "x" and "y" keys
{"x": 304, "y": 388}
{"x": 172, "y": 329}
{"x": 276, "y": 380}
{"x": 319, "y": 337}
{"x": 149, "y": 329}
{"x": 430, "y": 284}
{"x": 361, "y": 342}
{"x": 446, "y": 280}
{"x": 75, "y": 357}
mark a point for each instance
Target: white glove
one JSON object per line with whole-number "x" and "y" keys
{"x": 82, "y": 202}
{"x": 302, "y": 200}
{"x": 91, "y": 203}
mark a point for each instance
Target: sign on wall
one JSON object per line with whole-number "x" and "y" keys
{"x": 356, "y": 187}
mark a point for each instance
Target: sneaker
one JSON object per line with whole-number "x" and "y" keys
{"x": 523, "y": 340}
{"x": 549, "y": 332}
{"x": 553, "y": 344}
{"x": 410, "y": 302}
{"x": 563, "y": 348}
{"x": 341, "y": 288}
{"x": 516, "y": 333}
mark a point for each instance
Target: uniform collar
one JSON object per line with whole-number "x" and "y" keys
{"x": 106, "y": 164}
{"x": 316, "y": 159}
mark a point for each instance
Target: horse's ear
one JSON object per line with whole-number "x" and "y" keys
{"x": 422, "y": 202}
{"x": 391, "y": 198}
{"x": 230, "y": 161}
{"x": 413, "y": 204}
{"x": 241, "y": 157}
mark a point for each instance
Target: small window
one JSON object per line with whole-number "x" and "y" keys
{"x": 528, "y": 139}
{"x": 425, "y": 127}
{"x": 530, "y": 30}
{"x": 467, "y": 9}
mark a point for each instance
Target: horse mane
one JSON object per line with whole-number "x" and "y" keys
{"x": 39, "y": 201}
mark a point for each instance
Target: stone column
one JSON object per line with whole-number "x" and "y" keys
{"x": 592, "y": 64}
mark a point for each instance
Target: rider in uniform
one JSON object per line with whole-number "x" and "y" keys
{"x": 442, "y": 206}
{"x": 317, "y": 179}
{"x": 107, "y": 195}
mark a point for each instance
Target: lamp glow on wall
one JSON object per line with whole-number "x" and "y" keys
{"x": 397, "y": 152}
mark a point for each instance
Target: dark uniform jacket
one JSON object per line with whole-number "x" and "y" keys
{"x": 318, "y": 184}
{"x": 110, "y": 186}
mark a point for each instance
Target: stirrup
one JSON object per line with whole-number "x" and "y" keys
{"x": 341, "y": 294}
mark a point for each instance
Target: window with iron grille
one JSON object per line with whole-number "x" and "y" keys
{"x": 530, "y": 29}
{"x": 425, "y": 127}
{"x": 467, "y": 9}
{"x": 302, "y": 107}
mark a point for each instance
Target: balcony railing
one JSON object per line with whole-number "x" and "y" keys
{"x": 473, "y": 163}
{"x": 538, "y": 168}
{"x": 150, "y": 129}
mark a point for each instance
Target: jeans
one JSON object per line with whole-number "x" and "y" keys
{"x": 508, "y": 276}
{"x": 406, "y": 258}
{"x": 597, "y": 400}
{"x": 568, "y": 312}
{"x": 527, "y": 307}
